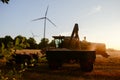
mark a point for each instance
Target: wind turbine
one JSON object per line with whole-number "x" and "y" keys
{"x": 33, "y": 35}
{"x": 45, "y": 19}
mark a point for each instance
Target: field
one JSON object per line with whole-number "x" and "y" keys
{"x": 104, "y": 69}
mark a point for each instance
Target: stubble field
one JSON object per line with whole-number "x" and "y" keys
{"x": 104, "y": 69}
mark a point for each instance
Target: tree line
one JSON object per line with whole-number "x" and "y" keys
{"x": 21, "y": 42}
{"x": 8, "y": 44}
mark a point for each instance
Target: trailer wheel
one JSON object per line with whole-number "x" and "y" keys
{"x": 86, "y": 67}
{"x": 54, "y": 65}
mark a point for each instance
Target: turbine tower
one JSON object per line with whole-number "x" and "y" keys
{"x": 45, "y": 19}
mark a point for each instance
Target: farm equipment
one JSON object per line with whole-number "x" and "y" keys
{"x": 69, "y": 48}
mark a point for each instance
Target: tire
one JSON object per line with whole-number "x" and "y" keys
{"x": 86, "y": 67}
{"x": 54, "y": 65}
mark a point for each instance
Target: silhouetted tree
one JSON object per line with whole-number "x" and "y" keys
{"x": 1, "y": 41}
{"x": 32, "y": 42}
{"x": 6, "y": 40}
{"x": 52, "y": 43}
{"x": 44, "y": 43}
{"x": 2, "y": 48}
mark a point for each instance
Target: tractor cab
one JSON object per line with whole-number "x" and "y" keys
{"x": 58, "y": 41}
{"x": 69, "y": 42}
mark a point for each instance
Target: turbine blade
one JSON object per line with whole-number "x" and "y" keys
{"x": 46, "y": 11}
{"x": 32, "y": 34}
{"x": 38, "y": 19}
{"x": 50, "y": 21}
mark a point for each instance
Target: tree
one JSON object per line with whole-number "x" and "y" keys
{"x": 24, "y": 44}
{"x": 2, "y": 48}
{"x": 44, "y": 43}
{"x": 20, "y": 42}
{"x": 5, "y": 1}
{"x": 5, "y": 52}
{"x": 32, "y": 42}
{"x": 52, "y": 43}
{"x": 6, "y": 45}
{"x": 7, "y": 40}
{"x": 1, "y": 41}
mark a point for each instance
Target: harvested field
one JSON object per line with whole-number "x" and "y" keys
{"x": 104, "y": 69}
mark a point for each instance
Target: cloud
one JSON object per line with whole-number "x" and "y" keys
{"x": 92, "y": 11}
{"x": 98, "y": 8}
{"x": 95, "y": 10}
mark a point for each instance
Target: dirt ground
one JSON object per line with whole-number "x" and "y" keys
{"x": 104, "y": 69}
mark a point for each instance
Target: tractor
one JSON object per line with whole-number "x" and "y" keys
{"x": 69, "y": 48}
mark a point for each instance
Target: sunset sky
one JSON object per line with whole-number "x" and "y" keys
{"x": 98, "y": 20}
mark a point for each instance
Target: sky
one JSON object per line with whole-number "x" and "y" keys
{"x": 98, "y": 20}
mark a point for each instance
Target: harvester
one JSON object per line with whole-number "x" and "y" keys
{"x": 69, "y": 48}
